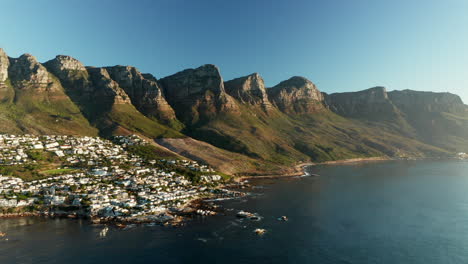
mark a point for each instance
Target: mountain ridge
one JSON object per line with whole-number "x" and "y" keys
{"x": 239, "y": 120}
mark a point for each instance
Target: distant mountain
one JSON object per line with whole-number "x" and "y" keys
{"x": 239, "y": 126}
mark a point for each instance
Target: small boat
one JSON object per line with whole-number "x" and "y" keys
{"x": 260, "y": 231}
{"x": 283, "y": 218}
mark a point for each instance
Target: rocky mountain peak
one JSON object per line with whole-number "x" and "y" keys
{"x": 74, "y": 77}
{"x": 106, "y": 88}
{"x": 27, "y": 68}
{"x": 71, "y": 72}
{"x": 4, "y": 64}
{"x": 194, "y": 81}
{"x": 249, "y": 89}
{"x": 197, "y": 94}
{"x": 144, "y": 91}
{"x": 296, "y": 81}
{"x": 372, "y": 103}
{"x": 296, "y": 95}
{"x": 63, "y": 63}
{"x": 427, "y": 101}
{"x": 378, "y": 93}
{"x": 126, "y": 76}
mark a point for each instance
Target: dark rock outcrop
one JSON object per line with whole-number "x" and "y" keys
{"x": 198, "y": 94}
{"x": 106, "y": 89}
{"x": 73, "y": 76}
{"x": 87, "y": 84}
{"x": 144, "y": 91}
{"x": 373, "y": 104}
{"x": 249, "y": 90}
{"x": 409, "y": 100}
{"x": 26, "y": 72}
{"x": 296, "y": 96}
{"x": 62, "y": 96}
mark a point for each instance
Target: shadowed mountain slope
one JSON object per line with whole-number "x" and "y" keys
{"x": 238, "y": 126}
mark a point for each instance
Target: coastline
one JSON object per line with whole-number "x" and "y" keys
{"x": 299, "y": 169}
{"x": 174, "y": 217}
{"x": 350, "y": 161}
{"x": 191, "y": 207}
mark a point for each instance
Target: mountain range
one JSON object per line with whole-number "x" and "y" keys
{"x": 237, "y": 126}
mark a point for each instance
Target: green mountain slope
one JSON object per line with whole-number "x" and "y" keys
{"x": 101, "y": 99}
{"x": 33, "y": 101}
{"x": 237, "y": 126}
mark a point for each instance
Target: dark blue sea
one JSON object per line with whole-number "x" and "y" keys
{"x": 390, "y": 212}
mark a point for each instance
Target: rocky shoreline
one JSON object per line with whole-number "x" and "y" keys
{"x": 200, "y": 206}
{"x": 175, "y": 217}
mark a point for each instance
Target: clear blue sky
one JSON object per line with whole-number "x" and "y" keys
{"x": 341, "y": 45}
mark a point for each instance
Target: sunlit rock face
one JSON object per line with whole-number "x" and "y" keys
{"x": 296, "y": 95}
{"x": 249, "y": 90}
{"x": 4, "y": 64}
{"x": 72, "y": 74}
{"x": 26, "y": 72}
{"x": 106, "y": 89}
{"x": 65, "y": 64}
{"x": 198, "y": 94}
{"x": 144, "y": 91}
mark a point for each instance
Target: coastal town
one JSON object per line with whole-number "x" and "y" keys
{"x": 101, "y": 179}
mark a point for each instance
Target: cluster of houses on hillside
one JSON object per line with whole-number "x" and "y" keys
{"x": 15, "y": 150}
{"x": 134, "y": 189}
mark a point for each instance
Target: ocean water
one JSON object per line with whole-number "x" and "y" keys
{"x": 389, "y": 212}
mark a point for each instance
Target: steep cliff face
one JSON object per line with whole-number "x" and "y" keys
{"x": 197, "y": 95}
{"x": 87, "y": 85}
{"x": 372, "y": 104}
{"x": 27, "y": 73}
{"x": 441, "y": 119}
{"x": 103, "y": 100}
{"x": 266, "y": 128}
{"x": 33, "y": 101}
{"x": 409, "y": 100}
{"x": 6, "y": 92}
{"x": 249, "y": 90}
{"x": 107, "y": 89}
{"x": 4, "y": 64}
{"x": 72, "y": 73}
{"x": 144, "y": 91}
{"x": 296, "y": 96}
{"x": 64, "y": 66}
